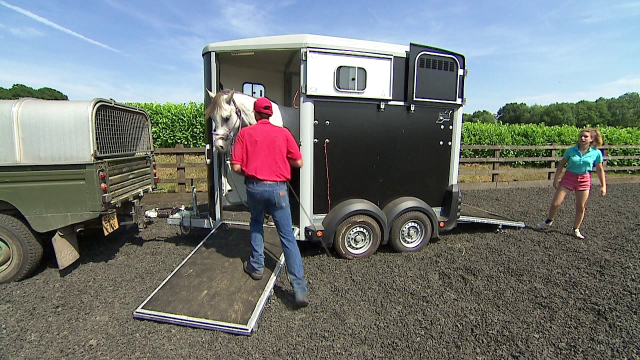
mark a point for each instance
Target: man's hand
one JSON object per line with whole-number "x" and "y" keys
{"x": 237, "y": 168}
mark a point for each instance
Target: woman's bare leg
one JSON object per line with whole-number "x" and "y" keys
{"x": 558, "y": 198}
{"x": 581, "y": 205}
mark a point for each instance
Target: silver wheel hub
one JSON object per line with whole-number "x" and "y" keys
{"x": 359, "y": 239}
{"x": 412, "y": 233}
{"x": 5, "y": 253}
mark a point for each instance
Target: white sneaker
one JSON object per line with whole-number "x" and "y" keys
{"x": 545, "y": 225}
{"x": 577, "y": 234}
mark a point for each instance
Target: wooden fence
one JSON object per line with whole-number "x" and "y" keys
{"x": 494, "y": 170}
{"x": 534, "y": 167}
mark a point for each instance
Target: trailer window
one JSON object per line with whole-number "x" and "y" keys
{"x": 255, "y": 90}
{"x": 351, "y": 78}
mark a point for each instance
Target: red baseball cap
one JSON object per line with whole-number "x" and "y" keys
{"x": 263, "y": 106}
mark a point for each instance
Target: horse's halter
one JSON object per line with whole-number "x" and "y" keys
{"x": 230, "y": 133}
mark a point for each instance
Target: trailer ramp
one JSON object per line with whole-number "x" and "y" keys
{"x": 210, "y": 289}
{"x": 470, "y": 214}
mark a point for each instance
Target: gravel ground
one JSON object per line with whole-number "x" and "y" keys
{"x": 475, "y": 293}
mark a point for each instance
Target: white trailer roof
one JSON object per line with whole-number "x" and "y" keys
{"x": 298, "y": 41}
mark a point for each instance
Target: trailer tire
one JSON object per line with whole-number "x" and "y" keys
{"x": 21, "y": 251}
{"x": 410, "y": 232}
{"x": 357, "y": 237}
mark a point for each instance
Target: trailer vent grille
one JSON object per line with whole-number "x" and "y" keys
{"x": 121, "y": 132}
{"x": 436, "y": 64}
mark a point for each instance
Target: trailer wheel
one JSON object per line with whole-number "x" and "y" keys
{"x": 357, "y": 237}
{"x": 410, "y": 232}
{"x": 20, "y": 251}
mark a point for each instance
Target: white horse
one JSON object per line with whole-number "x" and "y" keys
{"x": 231, "y": 111}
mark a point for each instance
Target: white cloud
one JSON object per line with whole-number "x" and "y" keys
{"x": 54, "y": 25}
{"x": 26, "y": 32}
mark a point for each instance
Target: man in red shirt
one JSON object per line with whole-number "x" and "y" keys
{"x": 264, "y": 154}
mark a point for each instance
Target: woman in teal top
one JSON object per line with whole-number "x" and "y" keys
{"x": 580, "y": 161}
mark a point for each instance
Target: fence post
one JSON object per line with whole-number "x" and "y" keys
{"x": 604, "y": 156}
{"x": 553, "y": 163}
{"x": 496, "y": 166}
{"x": 181, "y": 174}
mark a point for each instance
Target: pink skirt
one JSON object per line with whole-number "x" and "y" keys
{"x": 573, "y": 181}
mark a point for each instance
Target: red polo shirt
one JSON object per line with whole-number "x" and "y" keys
{"x": 262, "y": 151}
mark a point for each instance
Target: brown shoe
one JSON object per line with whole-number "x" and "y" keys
{"x": 254, "y": 274}
{"x": 302, "y": 300}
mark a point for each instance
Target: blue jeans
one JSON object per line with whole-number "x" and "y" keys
{"x": 274, "y": 198}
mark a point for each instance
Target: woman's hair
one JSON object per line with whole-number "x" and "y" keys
{"x": 596, "y": 136}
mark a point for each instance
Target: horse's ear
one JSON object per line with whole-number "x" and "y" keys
{"x": 229, "y": 98}
{"x": 211, "y": 95}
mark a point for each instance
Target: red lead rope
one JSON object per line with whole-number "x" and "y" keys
{"x": 326, "y": 162}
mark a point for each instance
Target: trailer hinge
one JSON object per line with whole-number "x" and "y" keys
{"x": 304, "y": 88}
{"x": 304, "y": 55}
{"x": 381, "y": 106}
{"x": 412, "y": 108}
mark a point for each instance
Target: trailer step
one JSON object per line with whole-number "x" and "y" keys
{"x": 470, "y": 214}
{"x": 210, "y": 289}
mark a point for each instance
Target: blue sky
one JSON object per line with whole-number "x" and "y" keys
{"x": 536, "y": 52}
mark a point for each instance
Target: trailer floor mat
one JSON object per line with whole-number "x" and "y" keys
{"x": 210, "y": 289}
{"x": 470, "y": 214}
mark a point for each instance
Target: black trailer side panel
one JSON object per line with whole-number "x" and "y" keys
{"x": 380, "y": 155}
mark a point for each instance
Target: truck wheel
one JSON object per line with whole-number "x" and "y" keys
{"x": 410, "y": 232}
{"x": 357, "y": 237}
{"x": 20, "y": 252}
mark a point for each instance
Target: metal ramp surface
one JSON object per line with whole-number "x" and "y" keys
{"x": 210, "y": 289}
{"x": 470, "y": 214}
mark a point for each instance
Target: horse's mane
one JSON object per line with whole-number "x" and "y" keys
{"x": 217, "y": 102}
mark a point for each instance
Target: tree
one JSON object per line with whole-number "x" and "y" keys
{"x": 482, "y": 116}
{"x": 18, "y": 91}
{"x": 513, "y": 113}
{"x": 559, "y": 114}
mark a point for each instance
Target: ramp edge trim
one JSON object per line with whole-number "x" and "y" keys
{"x": 191, "y": 322}
{"x": 266, "y": 293}
{"x": 472, "y": 219}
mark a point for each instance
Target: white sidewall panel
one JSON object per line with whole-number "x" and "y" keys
{"x": 321, "y": 74}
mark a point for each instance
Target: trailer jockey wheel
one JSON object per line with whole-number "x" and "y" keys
{"x": 357, "y": 237}
{"x": 410, "y": 232}
{"x": 20, "y": 251}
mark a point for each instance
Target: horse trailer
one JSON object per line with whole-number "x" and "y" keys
{"x": 379, "y": 127}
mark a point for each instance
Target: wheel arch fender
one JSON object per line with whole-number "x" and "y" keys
{"x": 405, "y": 204}
{"x": 349, "y": 208}
{"x": 10, "y": 209}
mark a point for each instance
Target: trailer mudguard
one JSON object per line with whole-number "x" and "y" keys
{"x": 349, "y": 208}
{"x": 404, "y": 204}
{"x": 452, "y": 205}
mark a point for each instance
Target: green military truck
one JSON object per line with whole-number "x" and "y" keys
{"x": 66, "y": 166}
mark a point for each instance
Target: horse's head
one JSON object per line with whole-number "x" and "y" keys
{"x": 226, "y": 119}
